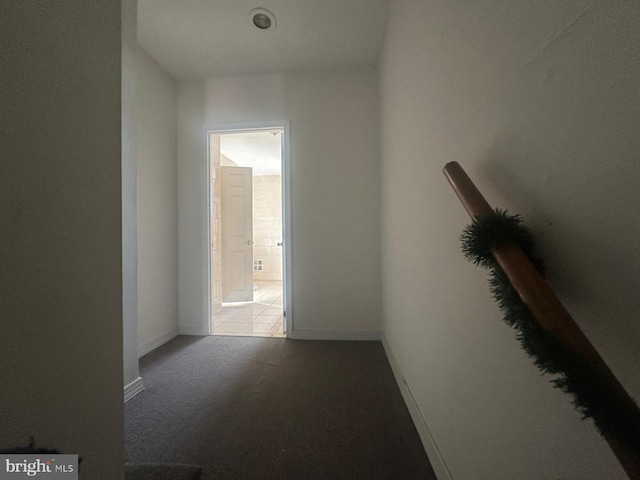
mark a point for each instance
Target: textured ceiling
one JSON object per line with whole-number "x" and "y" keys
{"x": 195, "y": 39}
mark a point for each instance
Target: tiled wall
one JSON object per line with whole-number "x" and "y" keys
{"x": 267, "y": 226}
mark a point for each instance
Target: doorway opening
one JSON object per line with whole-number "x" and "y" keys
{"x": 247, "y": 219}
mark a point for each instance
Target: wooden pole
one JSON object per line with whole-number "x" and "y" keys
{"x": 536, "y": 293}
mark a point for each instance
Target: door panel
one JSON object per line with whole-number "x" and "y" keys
{"x": 237, "y": 234}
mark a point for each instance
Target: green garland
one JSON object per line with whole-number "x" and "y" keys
{"x": 590, "y": 393}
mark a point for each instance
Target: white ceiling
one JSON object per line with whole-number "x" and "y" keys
{"x": 193, "y": 39}
{"x": 258, "y": 150}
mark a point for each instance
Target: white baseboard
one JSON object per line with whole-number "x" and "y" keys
{"x": 133, "y": 389}
{"x": 364, "y": 335}
{"x": 192, "y": 330}
{"x": 153, "y": 343}
{"x": 433, "y": 452}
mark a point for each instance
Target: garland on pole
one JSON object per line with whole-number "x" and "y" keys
{"x": 590, "y": 394}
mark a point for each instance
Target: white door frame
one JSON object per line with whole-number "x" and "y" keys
{"x": 287, "y": 277}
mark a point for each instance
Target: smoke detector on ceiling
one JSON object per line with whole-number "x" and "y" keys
{"x": 262, "y": 18}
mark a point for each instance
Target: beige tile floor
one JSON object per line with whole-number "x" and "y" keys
{"x": 260, "y": 318}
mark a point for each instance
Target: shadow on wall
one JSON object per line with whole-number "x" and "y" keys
{"x": 581, "y": 228}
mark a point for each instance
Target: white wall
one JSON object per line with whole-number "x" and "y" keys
{"x": 61, "y": 372}
{"x": 335, "y": 191}
{"x": 193, "y": 283}
{"x": 537, "y": 101}
{"x": 129, "y": 199}
{"x": 157, "y": 205}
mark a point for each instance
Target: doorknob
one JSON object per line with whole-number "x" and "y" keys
{"x": 250, "y": 242}
{"x": 279, "y": 244}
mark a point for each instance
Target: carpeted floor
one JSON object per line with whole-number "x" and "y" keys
{"x": 264, "y": 408}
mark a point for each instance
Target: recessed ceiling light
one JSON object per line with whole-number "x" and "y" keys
{"x": 262, "y": 18}
{"x": 262, "y": 21}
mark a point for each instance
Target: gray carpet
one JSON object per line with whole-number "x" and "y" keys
{"x": 264, "y": 408}
{"x": 162, "y": 472}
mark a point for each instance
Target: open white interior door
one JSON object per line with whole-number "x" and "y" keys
{"x": 237, "y": 234}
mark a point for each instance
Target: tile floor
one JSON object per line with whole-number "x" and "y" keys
{"x": 260, "y": 318}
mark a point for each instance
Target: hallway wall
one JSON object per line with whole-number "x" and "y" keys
{"x": 193, "y": 245}
{"x": 335, "y": 178}
{"x": 538, "y": 101}
{"x": 157, "y": 205}
{"x": 61, "y": 373}
{"x": 129, "y": 136}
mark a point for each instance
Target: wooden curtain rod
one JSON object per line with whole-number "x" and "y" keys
{"x": 536, "y": 293}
